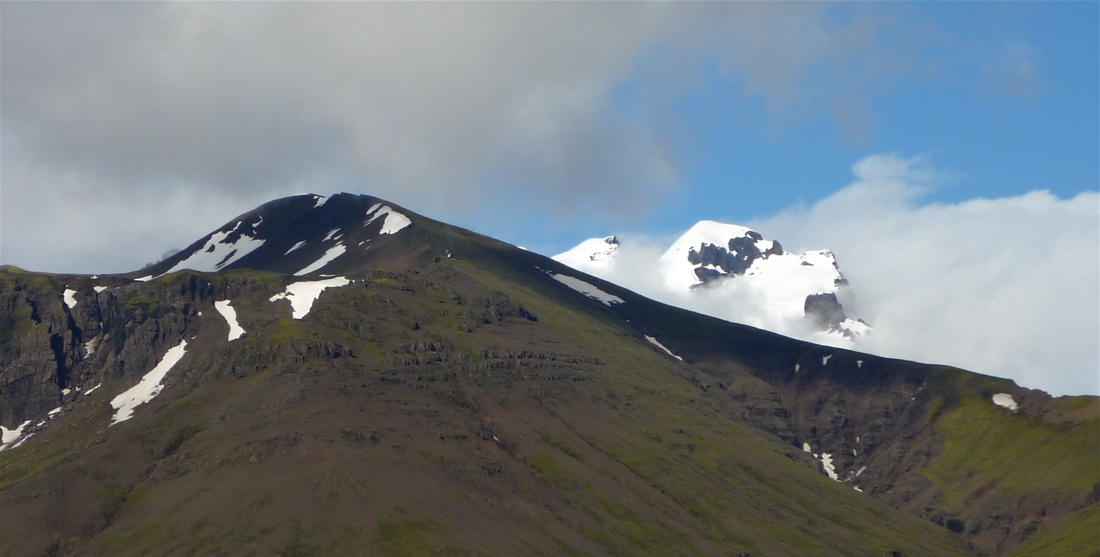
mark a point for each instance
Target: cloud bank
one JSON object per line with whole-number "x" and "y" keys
{"x": 1005, "y": 287}
{"x": 161, "y": 120}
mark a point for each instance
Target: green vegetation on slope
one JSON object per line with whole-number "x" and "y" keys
{"x": 986, "y": 445}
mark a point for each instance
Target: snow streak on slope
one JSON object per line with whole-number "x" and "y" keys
{"x": 230, "y": 315}
{"x": 394, "y": 222}
{"x": 654, "y": 342}
{"x": 303, "y": 294}
{"x": 328, "y": 257}
{"x": 218, "y": 252}
{"x": 149, "y": 386}
{"x": 588, "y": 290}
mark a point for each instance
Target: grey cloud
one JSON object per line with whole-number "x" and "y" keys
{"x": 435, "y": 106}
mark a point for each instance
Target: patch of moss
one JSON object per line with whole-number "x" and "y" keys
{"x": 283, "y": 330}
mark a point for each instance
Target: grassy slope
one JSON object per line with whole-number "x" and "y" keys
{"x": 387, "y": 449}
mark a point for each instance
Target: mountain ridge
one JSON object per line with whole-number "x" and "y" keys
{"x": 496, "y": 373}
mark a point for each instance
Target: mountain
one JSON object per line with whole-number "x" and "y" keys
{"x": 728, "y": 270}
{"x": 343, "y": 376}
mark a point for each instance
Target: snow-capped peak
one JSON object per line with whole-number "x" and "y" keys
{"x": 593, "y": 251}
{"x": 711, "y": 250}
{"x": 735, "y": 273}
{"x": 301, "y": 235}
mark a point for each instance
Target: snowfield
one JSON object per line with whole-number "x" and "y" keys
{"x": 149, "y": 387}
{"x": 587, "y": 289}
{"x": 303, "y": 294}
{"x": 230, "y": 315}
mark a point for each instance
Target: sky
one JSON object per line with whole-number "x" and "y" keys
{"x": 964, "y": 135}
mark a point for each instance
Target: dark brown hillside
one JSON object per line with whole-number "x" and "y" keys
{"x": 455, "y": 398}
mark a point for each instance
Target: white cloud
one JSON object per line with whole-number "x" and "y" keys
{"x": 1005, "y": 287}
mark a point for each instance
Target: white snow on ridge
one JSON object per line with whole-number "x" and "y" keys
{"x": 9, "y": 436}
{"x": 328, "y": 257}
{"x": 216, "y": 254}
{"x": 303, "y": 294}
{"x": 654, "y": 342}
{"x": 591, "y": 253}
{"x": 149, "y": 387}
{"x": 587, "y": 289}
{"x": 394, "y": 222}
{"x": 230, "y": 315}
{"x": 1005, "y": 400}
{"x": 70, "y": 297}
{"x": 99, "y": 289}
{"x": 319, "y": 200}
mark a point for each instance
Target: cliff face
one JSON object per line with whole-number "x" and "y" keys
{"x": 435, "y": 391}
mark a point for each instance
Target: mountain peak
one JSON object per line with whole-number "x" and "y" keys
{"x": 593, "y": 251}
{"x": 735, "y": 273}
{"x": 299, "y": 235}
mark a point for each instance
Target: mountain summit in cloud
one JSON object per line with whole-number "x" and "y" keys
{"x": 735, "y": 273}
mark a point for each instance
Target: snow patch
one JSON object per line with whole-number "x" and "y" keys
{"x": 328, "y": 257}
{"x": 859, "y": 363}
{"x": 99, "y": 289}
{"x": 1005, "y": 400}
{"x": 90, "y": 346}
{"x": 330, "y": 234}
{"x": 149, "y": 386}
{"x": 394, "y": 222}
{"x": 70, "y": 297}
{"x": 53, "y": 412}
{"x": 90, "y": 391}
{"x": 295, "y": 246}
{"x": 858, "y": 489}
{"x": 145, "y": 278}
{"x": 654, "y": 342}
{"x": 230, "y": 315}
{"x": 827, "y": 464}
{"x": 303, "y": 294}
{"x": 218, "y": 253}
{"x": 806, "y": 448}
{"x": 9, "y": 436}
{"x": 319, "y": 200}
{"x": 587, "y": 289}
{"x": 825, "y": 360}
